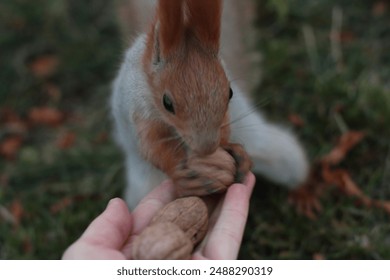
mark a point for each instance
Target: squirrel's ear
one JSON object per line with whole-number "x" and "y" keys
{"x": 204, "y": 19}
{"x": 169, "y": 29}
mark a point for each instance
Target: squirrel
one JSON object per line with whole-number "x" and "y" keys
{"x": 175, "y": 104}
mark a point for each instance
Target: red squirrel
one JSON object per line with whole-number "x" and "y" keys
{"x": 175, "y": 107}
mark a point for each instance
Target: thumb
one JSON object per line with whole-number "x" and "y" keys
{"x": 111, "y": 228}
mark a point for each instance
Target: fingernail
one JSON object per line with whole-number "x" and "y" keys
{"x": 248, "y": 179}
{"x": 112, "y": 201}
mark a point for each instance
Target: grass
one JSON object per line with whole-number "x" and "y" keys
{"x": 334, "y": 86}
{"x": 84, "y": 37}
{"x": 53, "y": 193}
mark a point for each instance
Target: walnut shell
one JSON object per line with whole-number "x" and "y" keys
{"x": 202, "y": 176}
{"x": 189, "y": 214}
{"x": 162, "y": 241}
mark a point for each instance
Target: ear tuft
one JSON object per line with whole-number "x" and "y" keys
{"x": 170, "y": 18}
{"x": 204, "y": 19}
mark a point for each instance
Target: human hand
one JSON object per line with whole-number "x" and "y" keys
{"x": 111, "y": 234}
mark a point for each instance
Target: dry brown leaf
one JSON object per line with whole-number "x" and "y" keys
{"x": 27, "y": 245}
{"x": 347, "y": 37}
{"x": 385, "y": 205}
{"x": 318, "y": 256}
{"x": 379, "y": 8}
{"x": 8, "y": 115}
{"x": 44, "y": 66}
{"x": 306, "y": 198}
{"x": 296, "y": 120}
{"x": 341, "y": 179}
{"x": 66, "y": 140}
{"x": 351, "y": 189}
{"x": 46, "y": 116}
{"x": 11, "y": 146}
{"x": 332, "y": 176}
{"x": 345, "y": 144}
{"x": 17, "y": 210}
{"x": 61, "y": 204}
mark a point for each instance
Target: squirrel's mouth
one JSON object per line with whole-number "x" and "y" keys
{"x": 200, "y": 144}
{"x": 205, "y": 150}
{"x": 203, "y": 147}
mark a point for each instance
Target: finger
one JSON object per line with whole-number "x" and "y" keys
{"x": 230, "y": 224}
{"x": 148, "y": 207}
{"x": 111, "y": 228}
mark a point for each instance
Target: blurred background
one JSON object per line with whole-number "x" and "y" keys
{"x": 325, "y": 72}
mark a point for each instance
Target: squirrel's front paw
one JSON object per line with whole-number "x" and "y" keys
{"x": 200, "y": 176}
{"x": 242, "y": 161}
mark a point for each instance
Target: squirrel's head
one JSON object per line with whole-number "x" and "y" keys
{"x": 190, "y": 89}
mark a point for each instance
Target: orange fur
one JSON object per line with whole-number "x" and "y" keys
{"x": 171, "y": 28}
{"x": 193, "y": 77}
{"x": 204, "y": 16}
{"x": 165, "y": 155}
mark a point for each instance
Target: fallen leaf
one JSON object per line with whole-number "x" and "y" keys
{"x": 46, "y": 116}
{"x": 66, "y": 140}
{"x": 385, "y": 205}
{"x": 332, "y": 176}
{"x": 296, "y": 120}
{"x": 351, "y": 188}
{"x": 379, "y": 8}
{"x": 27, "y": 245}
{"x": 318, "y": 256}
{"x": 347, "y": 37}
{"x": 341, "y": 179}
{"x": 346, "y": 142}
{"x": 306, "y": 198}
{"x": 8, "y": 115}
{"x": 44, "y": 65}
{"x": 17, "y": 210}
{"x": 60, "y": 205}
{"x": 11, "y": 146}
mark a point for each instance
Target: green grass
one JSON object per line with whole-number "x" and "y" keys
{"x": 331, "y": 93}
{"x": 85, "y": 37}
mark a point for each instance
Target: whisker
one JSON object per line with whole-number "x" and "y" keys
{"x": 179, "y": 146}
{"x": 254, "y": 109}
{"x": 167, "y": 139}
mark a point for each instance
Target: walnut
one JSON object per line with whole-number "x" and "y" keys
{"x": 178, "y": 227}
{"x": 162, "y": 241}
{"x": 174, "y": 231}
{"x": 189, "y": 213}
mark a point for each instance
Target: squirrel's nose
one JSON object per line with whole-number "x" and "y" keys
{"x": 206, "y": 148}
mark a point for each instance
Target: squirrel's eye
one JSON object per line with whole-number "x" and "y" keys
{"x": 230, "y": 93}
{"x": 168, "y": 105}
